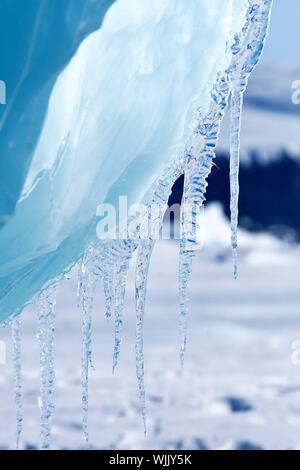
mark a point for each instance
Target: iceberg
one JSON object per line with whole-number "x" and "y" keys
{"x": 119, "y": 114}
{"x": 139, "y": 102}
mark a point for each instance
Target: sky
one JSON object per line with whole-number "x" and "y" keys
{"x": 283, "y": 43}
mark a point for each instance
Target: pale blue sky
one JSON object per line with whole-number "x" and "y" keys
{"x": 283, "y": 43}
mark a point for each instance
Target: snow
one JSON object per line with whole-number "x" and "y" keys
{"x": 216, "y": 233}
{"x": 239, "y": 387}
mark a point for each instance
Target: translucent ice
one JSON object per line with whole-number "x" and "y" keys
{"x": 119, "y": 114}
{"x": 16, "y": 337}
{"x": 45, "y": 334}
{"x": 246, "y": 51}
{"x": 33, "y": 52}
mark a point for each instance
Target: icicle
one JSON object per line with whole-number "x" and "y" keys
{"x": 236, "y": 109}
{"x": 108, "y": 285}
{"x": 107, "y": 267}
{"x": 124, "y": 248}
{"x": 104, "y": 263}
{"x": 195, "y": 186}
{"x": 201, "y": 152}
{"x": 110, "y": 262}
{"x": 46, "y": 328}
{"x": 79, "y": 284}
{"x": 88, "y": 281}
{"x": 185, "y": 269}
{"x": 199, "y": 161}
{"x": 247, "y": 56}
{"x": 142, "y": 267}
{"x": 16, "y": 337}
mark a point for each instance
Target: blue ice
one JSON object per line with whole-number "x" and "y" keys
{"x": 118, "y": 115}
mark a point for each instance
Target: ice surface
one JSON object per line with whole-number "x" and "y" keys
{"x": 120, "y": 113}
{"x": 33, "y": 53}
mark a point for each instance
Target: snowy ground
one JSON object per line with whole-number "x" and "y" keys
{"x": 239, "y": 388}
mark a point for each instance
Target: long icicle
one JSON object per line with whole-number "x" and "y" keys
{"x": 248, "y": 51}
{"x": 245, "y": 59}
{"x": 108, "y": 275}
{"x": 46, "y": 328}
{"x": 150, "y": 230}
{"x": 16, "y": 337}
{"x": 110, "y": 262}
{"x": 109, "y": 294}
{"x": 197, "y": 169}
{"x": 236, "y": 110}
{"x": 88, "y": 283}
{"x": 185, "y": 269}
{"x": 125, "y": 250}
{"x": 141, "y": 277}
{"x": 198, "y": 164}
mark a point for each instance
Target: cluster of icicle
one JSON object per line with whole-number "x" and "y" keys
{"x": 109, "y": 261}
